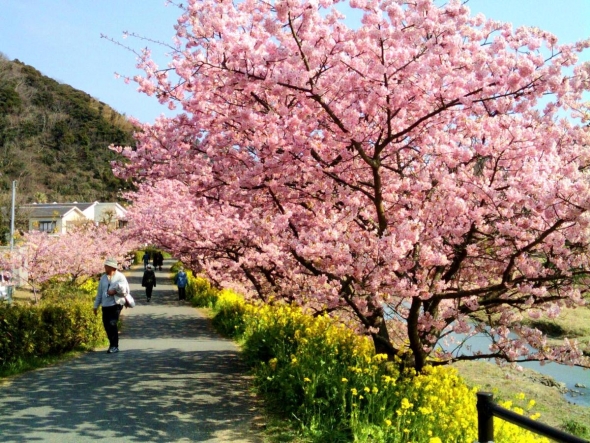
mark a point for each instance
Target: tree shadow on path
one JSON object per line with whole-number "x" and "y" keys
{"x": 174, "y": 380}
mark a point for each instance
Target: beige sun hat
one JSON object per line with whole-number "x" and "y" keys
{"x": 111, "y": 262}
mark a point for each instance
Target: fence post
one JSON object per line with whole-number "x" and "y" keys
{"x": 485, "y": 417}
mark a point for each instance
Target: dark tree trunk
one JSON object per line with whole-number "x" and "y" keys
{"x": 418, "y": 354}
{"x": 380, "y": 338}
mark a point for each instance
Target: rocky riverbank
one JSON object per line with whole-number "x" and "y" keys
{"x": 548, "y": 393}
{"x": 546, "y": 380}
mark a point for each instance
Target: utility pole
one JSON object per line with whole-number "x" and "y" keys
{"x": 11, "y": 288}
{"x": 12, "y": 215}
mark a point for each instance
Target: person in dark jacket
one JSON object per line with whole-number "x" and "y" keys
{"x": 149, "y": 281}
{"x": 146, "y": 259}
{"x": 158, "y": 260}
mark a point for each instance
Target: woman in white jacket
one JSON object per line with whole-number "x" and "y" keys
{"x": 112, "y": 288}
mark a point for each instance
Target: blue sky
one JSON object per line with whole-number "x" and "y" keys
{"x": 61, "y": 38}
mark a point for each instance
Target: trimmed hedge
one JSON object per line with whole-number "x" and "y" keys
{"x": 47, "y": 329}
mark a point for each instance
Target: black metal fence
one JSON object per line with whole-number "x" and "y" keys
{"x": 487, "y": 410}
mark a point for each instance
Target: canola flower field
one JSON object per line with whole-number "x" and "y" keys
{"x": 333, "y": 387}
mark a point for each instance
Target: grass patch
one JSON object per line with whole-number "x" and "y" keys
{"x": 22, "y": 295}
{"x": 571, "y": 323}
{"x": 555, "y": 410}
{"x": 579, "y": 429}
{"x": 279, "y": 430}
{"x": 549, "y": 328}
{"x": 31, "y": 363}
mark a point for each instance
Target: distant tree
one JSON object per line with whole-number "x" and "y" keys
{"x": 40, "y": 197}
{"x": 9, "y": 99}
{"x": 72, "y": 257}
{"x": 108, "y": 217}
{"x": 416, "y": 172}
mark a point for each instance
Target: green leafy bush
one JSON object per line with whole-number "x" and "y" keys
{"x": 9, "y": 99}
{"x": 576, "y": 428}
{"x": 57, "y": 325}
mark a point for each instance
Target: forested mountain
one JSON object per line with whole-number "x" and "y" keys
{"x": 54, "y": 139}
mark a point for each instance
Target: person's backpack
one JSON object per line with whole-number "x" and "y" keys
{"x": 181, "y": 280}
{"x": 149, "y": 278}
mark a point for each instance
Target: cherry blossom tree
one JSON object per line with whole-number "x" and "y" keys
{"x": 71, "y": 257}
{"x": 425, "y": 173}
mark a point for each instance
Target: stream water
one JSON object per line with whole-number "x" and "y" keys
{"x": 569, "y": 375}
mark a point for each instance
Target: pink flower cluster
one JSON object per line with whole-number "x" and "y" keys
{"x": 403, "y": 170}
{"x": 74, "y": 256}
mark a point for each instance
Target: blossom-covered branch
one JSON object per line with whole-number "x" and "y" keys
{"x": 415, "y": 173}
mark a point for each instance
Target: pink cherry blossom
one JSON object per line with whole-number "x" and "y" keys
{"x": 71, "y": 257}
{"x": 403, "y": 175}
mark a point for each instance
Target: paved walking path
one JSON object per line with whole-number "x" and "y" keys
{"x": 174, "y": 380}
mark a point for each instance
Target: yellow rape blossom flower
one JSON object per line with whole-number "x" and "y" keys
{"x": 406, "y": 403}
{"x": 438, "y": 407}
{"x": 532, "y": 403}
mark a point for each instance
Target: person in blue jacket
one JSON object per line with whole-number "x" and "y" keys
{"x": 148, "y": 281}
{"x": 181, "y": 280}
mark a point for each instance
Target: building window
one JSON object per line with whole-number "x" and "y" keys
{"x": 47, "y": 226}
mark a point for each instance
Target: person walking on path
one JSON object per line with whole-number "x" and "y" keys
{"x": 146, "y": 259}
{"x": 149, "y": 281}
{"x": 158, "y": 260}
{"x": 181, "y": 281}
{"x": 176, "y": 381}
{"x": 112, "y": 288}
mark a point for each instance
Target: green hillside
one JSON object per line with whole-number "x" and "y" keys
{"x": 54, "y": 139}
